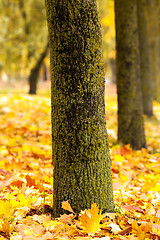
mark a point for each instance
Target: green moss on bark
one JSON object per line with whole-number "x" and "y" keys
{"x": 130, "y": 111}
{"x": 81, "y": 159}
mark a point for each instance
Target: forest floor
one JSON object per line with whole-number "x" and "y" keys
{"x": 26, "y": 178}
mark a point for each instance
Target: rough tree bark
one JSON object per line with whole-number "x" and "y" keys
{"x": 130, "y": 110}
{"x": 145, "y": 58}
{"x": 81, "y": 159}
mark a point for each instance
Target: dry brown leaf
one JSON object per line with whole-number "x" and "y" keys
{"x": 83, "y": 238}
{"x": 133, "y": 208}
{"x": 30, "y": 237}
{"x": 126, "y": 231}
{"x": 67, "y": 219}
{"x": 41, "y": 218}
{"x": 47, "y": 236}
{"x": 158, "y": 213}
{"x": 38, "y": 229}
{"x": 6, "y": 181}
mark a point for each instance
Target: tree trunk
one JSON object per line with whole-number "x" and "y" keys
{"x": 113, "y": 70}
{"x": 24, "y": 16}
{"x": 145, "y": 58}
{"x": 45, "y": 77}
{"x": 130, "y": 110}
{"x": 154, "y": 34}
{"x": 34, "y": 74}
{"x": 81, "y": 159}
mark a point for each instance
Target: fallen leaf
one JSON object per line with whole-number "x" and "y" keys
{"x": 4, "y": 172}
{"x": 132, "y": 207}
{"x": 90, "y": 219}
{"x": 47, "y": 236}
{"x": 67, "y": 219}
{"x": 41, "y": 218}
{"x": 103, "y": 238}
{"x": 5, "y": 182}
{"x": 126, "y": 231}
{"x": 158, "y": 213}
{"x": 67, "y": 206}
{"x": 114, "y": 228}
{"x": 83, "y": 238}
{"x": 30, "y": 181}
{"x": 17, "y": 183}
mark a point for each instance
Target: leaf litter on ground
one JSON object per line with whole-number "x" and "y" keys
{"x": 26, "y": 179}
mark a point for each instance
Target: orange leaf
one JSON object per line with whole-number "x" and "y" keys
{"x": 17, "y": 183}
{"x": 67, "y": 206}
{"x": 30, "y": 181}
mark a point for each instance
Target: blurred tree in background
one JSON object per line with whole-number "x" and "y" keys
{"x": 23, "y": 41}
{"x": 130, "y": 107}
{"x": 23, "y": 36}
{"x": 146, "y": 71}
{"x": 154, "y": 37}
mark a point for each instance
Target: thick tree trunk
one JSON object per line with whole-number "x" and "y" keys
{"x": 130, "y": 111}
{"x": 34, "y": 74}
{"x": 81, "y": 159}
{"x": 145, "y": 58}
{"x": 154, "y": 34}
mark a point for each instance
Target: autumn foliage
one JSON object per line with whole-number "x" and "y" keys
{"x": 26, "y": 179}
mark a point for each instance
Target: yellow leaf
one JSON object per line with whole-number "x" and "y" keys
{"x": 3, "y": 152}
{"x": 118, "y": 158}
{"x": 23, "y": 201}
{"x": 6, "y": 209}
{"x": 141, "y": 230}
{"x": 51, "y": 225}
{"x": 123, "y": 178}
{"x": 2, "y": 238}
{"x": 6, "y": 227}
{"x": 90, "y": 219}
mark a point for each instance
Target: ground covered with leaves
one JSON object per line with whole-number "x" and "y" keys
{"x": 26, "y": 179}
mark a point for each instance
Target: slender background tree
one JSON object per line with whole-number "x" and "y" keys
{"x": 130, "y": 109}
{"x": 146, "y": 71}
{"x": 154, "y": 37}
{"x": 34, "y": 73}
